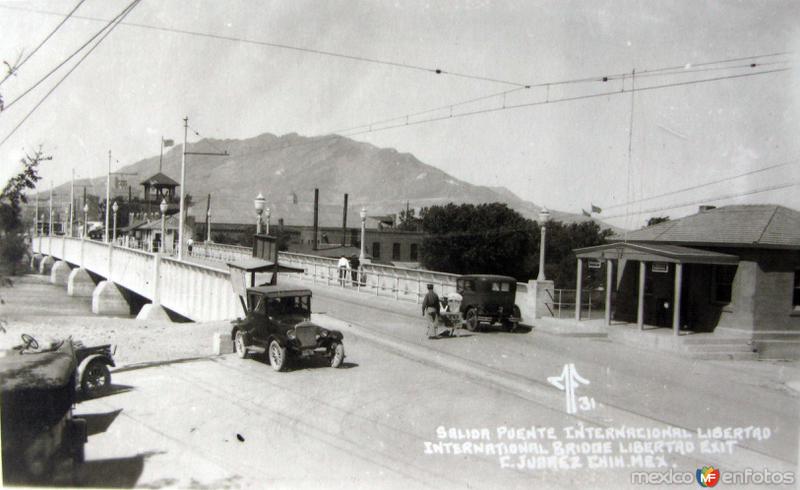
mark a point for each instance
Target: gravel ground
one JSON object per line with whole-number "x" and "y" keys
{"x": 137, "y": 341}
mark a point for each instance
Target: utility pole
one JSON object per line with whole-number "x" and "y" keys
{"x": 108, "y": 197}
{"x": 208, "y": 218}
{"x": 183, "y": 182}
{"x": 71, "y": 201}
{"x": 50, "y": 219}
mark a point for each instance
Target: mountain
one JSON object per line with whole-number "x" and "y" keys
{"x": 289, "y": 167}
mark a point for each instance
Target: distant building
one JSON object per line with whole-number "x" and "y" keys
{"x": 733, "y": 269}
{"x": 291, "y": 198}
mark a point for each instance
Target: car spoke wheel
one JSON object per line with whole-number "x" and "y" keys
{"x": 96, "y": 378}
{"x": 277, "y": 356}
{"x": 472, "y": 320}
{"x": 338, "y": 354}
{"x": 239, "y": 345}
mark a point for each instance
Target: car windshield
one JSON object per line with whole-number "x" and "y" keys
{"x": 294, "y": 305}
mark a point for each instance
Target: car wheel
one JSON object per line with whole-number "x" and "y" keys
{"x": 277, "y": 356}
{"x": 239, "y": 345}
{"x": 96, "y": 378}
{"x": 472, "y": 320}
{"x": 338, "y": 354}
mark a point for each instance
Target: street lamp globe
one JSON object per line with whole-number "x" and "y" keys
{"x": 544, "y": 216}
{"x": 259, "y": 203}
{"x": 363, "y": 214}
{"x": 115, "y": 207}
{"x": 163, "y": 206}
{"x": 85, "y": 209}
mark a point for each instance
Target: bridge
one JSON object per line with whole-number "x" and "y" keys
{"x": 198, "y": 287}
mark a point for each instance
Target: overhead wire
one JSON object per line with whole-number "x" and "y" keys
{"x": 62, "y": 63}
{"x": 794, "y": 161}
{"x": 709, "y": 199}
{"x": 14, "y": 69}
{"x": 108, "y": 31}
{"x": 365, "y": 59}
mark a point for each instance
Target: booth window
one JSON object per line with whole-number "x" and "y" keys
{"x": 414, "y": 251}
{"x": 796, "y": 291}
{"x": 722, "y": 283}
{"x": 395, "y": 251}
{"x": 376, "y": 250}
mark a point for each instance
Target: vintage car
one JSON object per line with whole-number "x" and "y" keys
{"x": 42, "y": 441}
{"x": 488, "y": 300}
{"x": 278, "y": 323}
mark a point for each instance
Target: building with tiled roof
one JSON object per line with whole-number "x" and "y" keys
{"x": 732, "y": 270}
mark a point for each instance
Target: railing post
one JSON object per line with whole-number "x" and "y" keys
{"x": 378, "y": 285}
{"x": 418, "y": 286}
{"x": 156, "y": 279}
{"x": 314, "y": 277}
{"x": 396, "y": 287}
{"x": 110, "y": 258}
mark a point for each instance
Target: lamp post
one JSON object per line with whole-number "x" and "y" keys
{"x": 163, "y": 208}
{"x": 208, "y": 216}
{"x": 363, "y": 214}
{"x": 544, "y": 217}
{"x": 41, "y": 220}
{"x": 267, "y": 214}
{"x": 85, "y": 218}
{"x": 115, "y": 208}
{"x": 50, "y": 220}
{"x": 66, "y": 217}
{"x": 258, "y": 203}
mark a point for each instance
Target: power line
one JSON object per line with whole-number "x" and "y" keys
{"x": 409, "y": 66}
{"x": 794, "y": 161}
{"x": 18, "y": 66}
{"x": 564, "y": 99}
{"x": 120, "y": 16}
{"x": 65, "y": 61}
{"x": 709, "y": 199}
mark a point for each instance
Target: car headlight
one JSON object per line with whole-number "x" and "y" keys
{"x": 323, "y": 333}
{"x": 290, "y": 334}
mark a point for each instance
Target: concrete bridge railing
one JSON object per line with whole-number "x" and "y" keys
{"x": 198, "y": 292}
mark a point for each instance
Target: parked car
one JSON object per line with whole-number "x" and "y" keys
{"x": 278, "y": 323}
{"x": 93, "y": 375}
{"x": 488, "y": 300}
{"x": 42, "y": 441}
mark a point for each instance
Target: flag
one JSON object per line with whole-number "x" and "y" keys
{"x": 586, "y": 213}
{"x": 596, "y": 209}
{"x": 168, "y": 143}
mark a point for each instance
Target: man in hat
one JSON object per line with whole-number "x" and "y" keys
{"x": 430, "y": 309}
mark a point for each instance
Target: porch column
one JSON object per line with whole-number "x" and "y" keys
{"x": 640, "y": 305}
{"x": 578, "y": 291}
{"x": 609, "y": 280}
{"x": 676, "y": 301}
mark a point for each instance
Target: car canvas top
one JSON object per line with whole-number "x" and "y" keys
{"x": 279, "y": 291}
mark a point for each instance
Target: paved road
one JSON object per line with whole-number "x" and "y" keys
{"x": 175, "y": 421}
{"x": 657, "y": 386}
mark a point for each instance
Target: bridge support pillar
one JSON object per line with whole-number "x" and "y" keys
{"x": 46, "y": 265}
{"x": 80, "y": 284}
{"x": 36, "y": 259}
{"x": 107, "y": 299}
{"x": 153, "y": 311}
{"x": 59, "y": 274}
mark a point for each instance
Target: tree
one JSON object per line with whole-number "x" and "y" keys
{"x": 408, "y": 221}
{"x": 12, "y": 244}
{"x": 561, "y": 240}
{"x": 483, "y": 239}
{"x": 656, "y": 220}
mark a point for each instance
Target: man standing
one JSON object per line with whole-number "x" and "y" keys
{"x": 430, "y": 309}
{"x": 343, "y": 265}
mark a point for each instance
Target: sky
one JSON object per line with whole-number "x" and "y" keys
{"x": 139, "y": 84}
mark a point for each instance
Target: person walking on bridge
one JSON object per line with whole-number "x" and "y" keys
{"x": 430, "y": 309}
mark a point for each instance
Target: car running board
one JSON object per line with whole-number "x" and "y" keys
{"x": 255, "y": 349}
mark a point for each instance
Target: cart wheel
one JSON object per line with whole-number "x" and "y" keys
{"x": 472, "y": 320}
{"x": 338, "y": 354}
{"x": 96, "y": 378}
{"x": 277, "y": 356}
{"x": 239, "y": 345}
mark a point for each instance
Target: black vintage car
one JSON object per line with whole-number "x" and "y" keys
{"x": 42, "y": 442}
{"x": 488, "y": 300}
{"x": 278, "y": 323}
